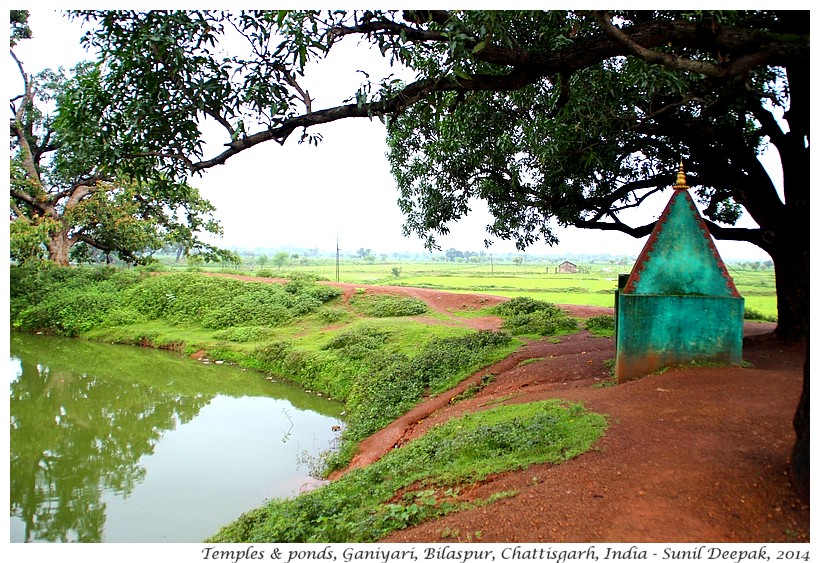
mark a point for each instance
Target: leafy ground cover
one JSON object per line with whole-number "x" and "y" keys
{"x": 524, "y": 315}
{"x": 424, "y": 479}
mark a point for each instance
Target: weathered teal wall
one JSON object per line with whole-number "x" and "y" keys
{"x": 679, "y": 303}
{"x": 655, "y": 331}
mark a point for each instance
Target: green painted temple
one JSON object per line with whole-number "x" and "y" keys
{"x": 679, "y": 304}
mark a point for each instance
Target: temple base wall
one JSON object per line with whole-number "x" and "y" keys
{"x": 657, "y": 331}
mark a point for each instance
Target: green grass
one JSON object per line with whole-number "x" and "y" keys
{"x": 423, "y": 479}
{"x": 595, "y": 287}
{"x": 767, "y": 305}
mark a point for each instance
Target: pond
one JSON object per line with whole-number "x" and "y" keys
{"x": 124, "y": 444}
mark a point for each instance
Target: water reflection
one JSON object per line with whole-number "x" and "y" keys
{"x": 89, "y": 422}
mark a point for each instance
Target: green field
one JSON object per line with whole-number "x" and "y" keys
{"x": 594, "y": 285}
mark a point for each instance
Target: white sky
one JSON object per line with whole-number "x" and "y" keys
{"x": 295, "y": 195}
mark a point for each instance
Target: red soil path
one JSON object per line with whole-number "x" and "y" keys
{"x": 691, "y": 455}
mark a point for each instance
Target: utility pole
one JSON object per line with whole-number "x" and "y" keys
{"x": 337, "y": 256}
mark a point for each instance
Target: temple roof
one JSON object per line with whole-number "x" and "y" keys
{"x": 680, "y": 257}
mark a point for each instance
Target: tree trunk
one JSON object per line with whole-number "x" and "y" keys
{"x": 799, "y": 469}
{"x": 59, "y": 244}
{"x": 791, "y": 262}
{"x": 791, "y": 269}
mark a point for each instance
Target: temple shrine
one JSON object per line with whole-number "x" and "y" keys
{"x": 679, "y": 304}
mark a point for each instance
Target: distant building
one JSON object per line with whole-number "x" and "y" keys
{"x": 567, "y": 268}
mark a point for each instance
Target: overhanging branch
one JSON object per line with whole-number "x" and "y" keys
{"x": 754, "y": 236}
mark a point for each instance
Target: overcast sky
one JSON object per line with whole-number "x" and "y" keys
{"x": 295, "y": 195}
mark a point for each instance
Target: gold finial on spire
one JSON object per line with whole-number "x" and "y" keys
{"x": 681, "y": 183}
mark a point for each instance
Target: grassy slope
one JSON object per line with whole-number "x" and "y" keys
{"x": 422, "y": 480}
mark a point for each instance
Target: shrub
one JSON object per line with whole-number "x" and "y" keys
{"x": 753, "y": 315}
{"x": 180, "y": 298}
{"x": 381, "y": 394}
{"x": 522, "y": 306}
{"x": 440, "y": 365}
{"x": 220, "y": 303}
{"x": 119, "y": 316}
{"x": 303, "y": 304}
{"x": 154, "y": 267}
{"x": 357, "y": 343}
{"x": 601, "y": 324}
{"x": 271, "y": 354}
{"x": 543, "y": 322}
{"x": 525, "y": 315}
{"x": 443, "y": 361}
{"x": 330, "y": 315}
{"x": 68, "y": 312}
{"x": 69, "y": 301}
{"x": 303, "y": 367}
{"x": 245, "y": 333}
{"x": 388, "y": 305}
{"x": 323, "y": 293}
{"x": 305, "y": 277}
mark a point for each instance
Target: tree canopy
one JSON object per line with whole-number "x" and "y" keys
{"x": 69, "y": 196}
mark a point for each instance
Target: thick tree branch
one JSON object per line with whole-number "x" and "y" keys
{"x": 736, "y": 67}
{"x": 753, "y": 236}
{"x": 90, "y": 182}
{"x": 19, "y": 130}
{"x": 389, "y": 27}
{"x": 91, "y": 241}
{"x": 526, "y": 67}
{"x": 42, "y": 207}
{"x": 616, "y": 225}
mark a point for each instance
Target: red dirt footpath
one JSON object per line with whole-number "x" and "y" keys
{"x": 691, "y": 455}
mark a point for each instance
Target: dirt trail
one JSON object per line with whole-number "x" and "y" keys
{"x": 691, "y": 455}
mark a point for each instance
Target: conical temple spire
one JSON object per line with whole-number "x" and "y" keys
{"x": 681, "y": 183}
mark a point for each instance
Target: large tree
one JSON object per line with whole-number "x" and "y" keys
{"x": 68, "y": 197}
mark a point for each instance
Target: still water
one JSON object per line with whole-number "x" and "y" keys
{"x": 123, "y": 444}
